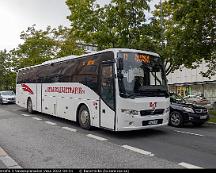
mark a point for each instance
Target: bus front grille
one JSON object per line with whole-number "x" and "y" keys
{"x": 151, "y": 112}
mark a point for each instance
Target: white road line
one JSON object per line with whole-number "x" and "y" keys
{"x": 7, "y": 160}
{"x": 35, "y": 118}
{"x": 96, "y": 137}
{"x": 69, "y": 129}
{"x": 189, "y": 166}
{"x": 138, "y": 150}
{"x": 188, "y": 133}
{"x": 51, "y": 123}
{"x": 26, "y": 115}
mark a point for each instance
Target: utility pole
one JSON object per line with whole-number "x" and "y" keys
{"x": 161, "y": 22}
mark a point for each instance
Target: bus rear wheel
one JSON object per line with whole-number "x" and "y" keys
{"x": 84, "y": 118}
{"x": 29, "y": 106}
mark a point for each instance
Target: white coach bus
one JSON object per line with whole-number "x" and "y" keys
{"x": 115, "y": 89}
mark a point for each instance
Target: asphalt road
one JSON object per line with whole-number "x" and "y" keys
{"x": 43, "y": 141}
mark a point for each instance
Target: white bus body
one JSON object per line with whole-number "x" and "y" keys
{"x": 76, "y": 89}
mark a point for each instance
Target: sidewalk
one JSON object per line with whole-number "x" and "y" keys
{"x": 6, "y": 161}
{"x": 2, "y": 165}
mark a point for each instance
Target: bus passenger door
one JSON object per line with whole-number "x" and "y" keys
{"x": 39, "y": 97}
{"x": 107, "y": 96}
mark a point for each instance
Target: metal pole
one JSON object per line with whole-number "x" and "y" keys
{"x": 161, "y": 12}
{"x": 161, "y": 21}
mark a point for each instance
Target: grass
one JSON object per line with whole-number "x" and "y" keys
{"x": 213, "y": 116}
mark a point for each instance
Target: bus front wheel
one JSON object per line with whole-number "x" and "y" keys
{"x": 84, "y": 117}
{"x": 29, "y": 106}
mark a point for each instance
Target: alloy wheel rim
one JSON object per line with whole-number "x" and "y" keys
{"x": 175, "y": 119}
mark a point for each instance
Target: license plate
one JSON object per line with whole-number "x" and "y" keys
{"x": 153, "y": 122}
{"x": 203, "y": 117}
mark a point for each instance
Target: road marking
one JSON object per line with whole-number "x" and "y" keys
{"x": 96, "y": 137}
{"x": 188, "y": 133}
{"x": 51, "y": 123}
{"x": 26, "y": 115}
{"x": 35, "y": 118}
{"x": 138, "y": 150}
{"x": 69, "y": 129}
{"x": 189, "y": 166}
{"x": 7, "y": 160}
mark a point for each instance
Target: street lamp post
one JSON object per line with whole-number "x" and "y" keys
{"x": 161, "y": 23}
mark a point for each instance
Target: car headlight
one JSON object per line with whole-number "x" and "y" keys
{"x": 130, "y": 111}
{"x": 188, "y": 109}
{"x": 4, "y": 98}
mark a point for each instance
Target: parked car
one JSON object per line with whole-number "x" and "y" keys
{"x": 182, "y": 112}
{"x": 197, "y": 99}
{"x": 7, "y": 97}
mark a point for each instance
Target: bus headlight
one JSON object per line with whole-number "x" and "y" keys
{"x": 130, "y": 111}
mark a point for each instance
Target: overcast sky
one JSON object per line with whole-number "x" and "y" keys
{"x": 17, "y": 15}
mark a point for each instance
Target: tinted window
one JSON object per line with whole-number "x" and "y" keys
{"x": 83, "y": 70}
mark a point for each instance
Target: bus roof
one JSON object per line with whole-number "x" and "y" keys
{"x": 92, "y": 53}
{"x": 122, "y": 50}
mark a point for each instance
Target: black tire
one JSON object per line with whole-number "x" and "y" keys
{"x": 84, "y": 118}
{"x": 198, "y": 124}
{"x": 29, "y": 106}
{"x": 176, "y": 119}
{"x": 1, "y": 102}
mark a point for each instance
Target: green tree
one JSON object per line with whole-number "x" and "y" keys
{"x": 118, "y": 24}
{"x": 7, "y": 74}
{"x": 42, "y": 45}
{"x": 188, "y": 33}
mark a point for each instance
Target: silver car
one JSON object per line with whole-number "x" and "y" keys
{"x": 7, "y": 97}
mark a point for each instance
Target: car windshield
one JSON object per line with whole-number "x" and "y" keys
{"x": 7, "y": 93}
{"x": 141, "y": 75}
{"x": 174, "y": 98}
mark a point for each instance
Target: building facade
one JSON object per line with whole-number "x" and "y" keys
{"x": 191, "y": 82}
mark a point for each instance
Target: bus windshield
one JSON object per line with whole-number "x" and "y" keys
{"x": 141, "y": 75}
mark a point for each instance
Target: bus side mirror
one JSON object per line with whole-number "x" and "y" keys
{"x": 120, "y": 64}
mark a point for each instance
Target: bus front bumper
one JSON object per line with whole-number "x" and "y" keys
{"x": 138, "y": 122}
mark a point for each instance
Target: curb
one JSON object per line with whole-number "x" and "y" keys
{"x": 7, "y": 160}
{"x": 211, "y": 123}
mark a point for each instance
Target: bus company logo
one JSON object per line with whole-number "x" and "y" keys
{"x": 73, "y": 90}
{"x": 153, "y": 105}
{"x": 27, "y": 88}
